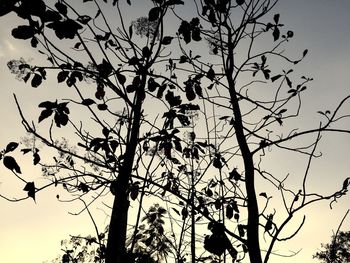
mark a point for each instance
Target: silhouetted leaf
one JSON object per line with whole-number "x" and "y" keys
{"x": 11, "y": 147}
{"x": 183, "y": 59}
{"x": 289, "y": 82}
{"x": 276, "y": 34}
{"x": 61, "y": 8}
{"x": 83, "y": 187}
{"x": 241, "y": 230}
{"x": 172, "y": 100}
{"x": 34, "y": 42}
{"x": 240, "y": 2}
{"x": 121, "y": 78}
{"x": 346, "y": 183}
{"x": 62, "y": 75}
{"x": 154, "y": 14}
{"x": 211, "y": 74}
{"x": 26, "y": 150}
{"x": 185, "y": 31}
{"x": 65, "y": 29}
{"x": 45, "y": 114}
{"x": 274, "y": 78}
{"x": 6, "y": 6}
{"x": 229, "y": 212}
{"x": 88, "y": 102}
{"x": 36, "y": 80}
{"x": 23, "y": 32}
{"x": 146, "y": 52}
{"x": 276, "y": 18}
{"x": 61, "y": 119}
{"x": 263, "y": 195}
{"x": 167, "y": 40}
{"x": 196, "y": 34}
{"x": 11, "y": 164}
{"x": 30, "y": 189}
{"x": 36, "y": 158}
{"x": 305, "y": 52}
{"x": 102, "y": 107}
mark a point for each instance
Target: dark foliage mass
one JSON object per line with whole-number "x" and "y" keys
{"x": 168, "y": 109}
{"x": 337, "y": 251}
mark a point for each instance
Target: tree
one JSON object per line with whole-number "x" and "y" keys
{"x": 337, "y": 251}
{"x": 205, "y": 76}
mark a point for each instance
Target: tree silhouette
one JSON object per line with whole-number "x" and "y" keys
{"x": 337, "y": 251}
{"x": 173, "y": 114}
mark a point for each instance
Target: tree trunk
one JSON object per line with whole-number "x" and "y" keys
{"x": 253, "y": 211}
{"x": 116, "y": 243}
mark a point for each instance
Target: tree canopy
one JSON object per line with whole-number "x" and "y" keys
{"x": 183, "y": 111}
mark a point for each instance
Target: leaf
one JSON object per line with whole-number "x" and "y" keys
{"x": 154, "y": 14}
{"x": 11, "y": 164}
{"x": 346, "y": 183}
{"x": 65, "y": 29}
{"x": 83, "y": 187}
{"x": 88, "y": 102}
{"x": 289, "y": 82}
{"x": 241, "y": 230}
{"x": 185, "y": 31}
{"x": 146, "y": 52}
{"x": 196, "y": 34}
{"x": 240, "y": 2}
{"x": 190, "y": 94}
{"x": 62, "y": 75}
{"x": 211, "y": 74}
{"x": 6, "y": 7}
{"x": 34, "y": 42}
{"x": 276, "y": 18}
{"x": 263, "y": 195}
{"x": 27, "y": 150}
{"x": 229, "y": 212}
{"x": 11, "y": 146}
{"x": 184, "y": 213}
{"x": 23, "y": 32}
{"x": 134, "y": 191}
{"x": 274, "y": 78}
{"x": 305, "y": 52}
{"x": 102, "y": 107}
{"x": 167, "y": 40}
{"x": 30, "y": 188}
{"x": 47, "y": 105}
{"x": 45, "y": 114}
{"x": 276, "y": 34}
{"x": 121, "y": 78}
{"x": 61, "y": 8}
{"x": 36, "y": 158}
{"x": 36, "y": 80}
{"x": 60, "y": 119}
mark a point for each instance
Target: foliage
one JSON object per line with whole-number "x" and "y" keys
{"x": 159, "y": 114}
{"x": 337, "y": 251}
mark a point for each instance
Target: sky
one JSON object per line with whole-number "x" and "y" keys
{"x": 33, "y": 231}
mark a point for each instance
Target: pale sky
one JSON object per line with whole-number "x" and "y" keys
{"x": 33, "y": 231}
